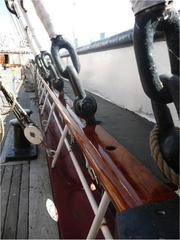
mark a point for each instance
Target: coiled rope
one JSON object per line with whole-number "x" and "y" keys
{"x": 158, "y": 158}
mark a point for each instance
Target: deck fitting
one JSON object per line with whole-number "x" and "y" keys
{"x": 20, "y": 148}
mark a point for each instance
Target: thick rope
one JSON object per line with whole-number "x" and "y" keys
{"x": 158, "y": 158}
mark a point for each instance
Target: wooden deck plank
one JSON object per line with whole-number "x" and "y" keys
{"x": 4, "y": 193}
{"x": 22, "y": 227}
{"x": 10, "y": 226}
{"x": 2, "y": 168}
{"x": 8, "y": 144}
{"x": 24, "y": 199}
{"x": 39, "y": 193}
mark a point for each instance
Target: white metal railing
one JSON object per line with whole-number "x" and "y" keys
{"x": 45, "y": 95}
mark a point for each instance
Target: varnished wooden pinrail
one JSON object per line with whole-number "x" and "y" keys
{"x": 128, "y": 183}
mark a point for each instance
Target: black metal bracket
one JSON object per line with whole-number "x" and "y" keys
{"x": 59, "y": 43}
{"x": 43, "y": 71}
{"x": 55, "y": 79}
{"x": 22, "y": 5}
{"x": 11, "y": 8}
{"x": 84, "y": 106}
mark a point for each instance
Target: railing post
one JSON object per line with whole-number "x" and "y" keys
{"x": 49, "y": 118}
{"x": 64, "y": 133}
{"x": 44, "y": 104}
{"x": 96, "y": 225}
{"x": 41, "y": 97}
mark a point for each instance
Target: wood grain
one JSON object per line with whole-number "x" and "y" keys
{"x": 13, "y": 205}
{"x": 126, "y": 180}
{"x": 4, "y": 193}
{"x": 22, "y": 225}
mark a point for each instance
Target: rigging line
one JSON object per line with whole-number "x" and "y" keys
{"x": 174, "y": 54}
{"x": 23, "y": 33}
{"x": 16, "y": 43}
{"x": 18, "y": 27}
{"x": 27, "y": 36}
{"x": 13, "y": 23}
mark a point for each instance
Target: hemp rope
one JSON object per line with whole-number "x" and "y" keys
{"x": 158, "y": 158}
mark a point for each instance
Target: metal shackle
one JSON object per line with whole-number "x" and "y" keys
{"x": 55, "y": 77}
{"x": 44, "y": 55}
{"x": 59, "y": 43}
{"x": 11, "y": 7}
{"x": 41, "y": 66}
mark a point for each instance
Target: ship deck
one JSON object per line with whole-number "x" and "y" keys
{"x": 25, "y": 185}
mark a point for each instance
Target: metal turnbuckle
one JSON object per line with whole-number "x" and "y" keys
{"x": 56, "y": 79}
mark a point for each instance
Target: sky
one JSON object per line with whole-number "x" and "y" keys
{"x": 81, "y": 19}
{"x": 86, "y": 19}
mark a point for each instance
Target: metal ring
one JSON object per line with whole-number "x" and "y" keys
{"x": 59, "y": 43}
{"x": 11, "y": 9}
{"x": 43, "y": 56}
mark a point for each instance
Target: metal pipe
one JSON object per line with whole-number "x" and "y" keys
{"x": 99, "y": 218}
{"x": 45, "y": 18}
{"x": 60, "y": 144}
{"x": 88, "y": 192}
{"x": 49, "y": 118}
{"x": 44, "y": 104}
{"x": 42, "y": 93}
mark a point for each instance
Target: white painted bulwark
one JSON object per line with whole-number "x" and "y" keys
{"x": 113, "y": 75}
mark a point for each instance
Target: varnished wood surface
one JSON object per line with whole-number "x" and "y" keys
{"x": 126, "y": 180}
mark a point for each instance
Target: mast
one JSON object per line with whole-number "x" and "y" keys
{"x": 45, "y": 18}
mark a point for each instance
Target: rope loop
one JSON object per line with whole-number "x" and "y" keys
{"x": 158, "y": 158}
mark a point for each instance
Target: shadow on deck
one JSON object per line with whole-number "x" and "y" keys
{"x": 25, "y": 187}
